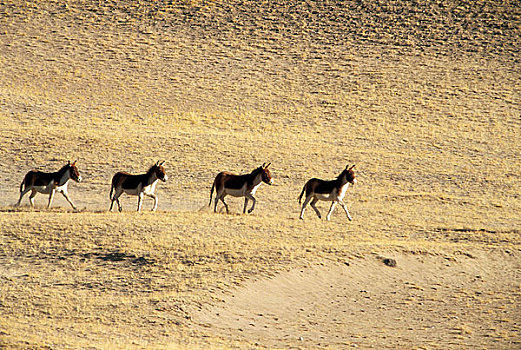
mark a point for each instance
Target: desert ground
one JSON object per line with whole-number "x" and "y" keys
{"x": 424, "y": 97}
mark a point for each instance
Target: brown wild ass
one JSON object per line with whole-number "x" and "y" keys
{"x": 137, "y": 185}
{"x": 331, "y": 191}
{"x": 226, "y": 183}
{"x": 49, "y": 183}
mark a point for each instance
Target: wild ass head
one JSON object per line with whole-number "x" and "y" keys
{"x": 74, "y": 172}
{"x": 349, "y": 174}
{"x": 159, "y": 171}
{"x": 266, "y": 175}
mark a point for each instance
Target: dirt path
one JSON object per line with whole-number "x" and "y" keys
{"x": 433, "y": 301}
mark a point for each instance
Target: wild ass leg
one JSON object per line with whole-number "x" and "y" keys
{"x": 115, "y": 198}
{"x": 66, "y": 195}
{"x": 215, "y": 204}
{"x": 225, "y": 205}
{"x": 250, "y": 196}
{"x": 31, "y": 197}
{"x": 22, "y": 193}
{"x": 328, "y": 217}
{"x": 313, "y": 202}
{"x": 120, "y": 208}
{"x": 51, "y": 197}
{"x": 308, "y": 199}
{"x": 345, "y": 209}
{"x": 245, "y": 205}
{"x": 219, "y": 195}
{"x": 153, "y": 195}
{"x": 139, "y": 201}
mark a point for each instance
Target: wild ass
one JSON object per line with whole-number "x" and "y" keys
{"x": 137, "y": 185}
{"x": 331, "y": 191}
{"x": 49, "y": 183}
{"x": 226, "y": 183}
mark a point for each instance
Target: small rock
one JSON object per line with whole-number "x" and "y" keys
{"x": 389, "y": 262}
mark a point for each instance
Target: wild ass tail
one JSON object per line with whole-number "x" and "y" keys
{"x": 211, "y": 193}
{"x": 301, "y": 194}
{"x": 111, "y": 190}
{"x": 22, "y": 185}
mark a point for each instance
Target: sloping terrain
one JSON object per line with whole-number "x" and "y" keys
{"x": 429, "y": 300}
{"x": 424, "y": 97}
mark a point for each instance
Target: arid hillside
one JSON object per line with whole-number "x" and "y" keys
{"x": 423, "y": 96}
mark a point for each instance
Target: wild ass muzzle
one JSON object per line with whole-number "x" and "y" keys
{"x": 49, "y": 183}
{"x": 330, "y": 191}
{"x": 226, "y": 183}
{"x": 137, "y": 185}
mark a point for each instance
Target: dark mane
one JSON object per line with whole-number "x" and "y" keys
{"x": 341, "y": 176}
{"x": 253, "y": 174}
{"x": 63, "y": 169}
{"x": 152, "y": 169}
{"x": 257, "y": 171}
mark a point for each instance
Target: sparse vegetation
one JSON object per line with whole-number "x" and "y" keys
{"x": 423, "y": 96}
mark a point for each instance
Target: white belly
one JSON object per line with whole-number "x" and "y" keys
{"x": 43, "y": 189}
{"x": 47, "y": 189}
{"x": 236, "y": 192}
{"x": 325, "y": 196}
{"x": 146, "y": 190}
{"x": 333, "y": 196}
{"x": 131, "y": 191}
{"x": 241, "y": 192}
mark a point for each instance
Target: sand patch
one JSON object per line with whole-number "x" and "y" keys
{"x": 433, "y": 301}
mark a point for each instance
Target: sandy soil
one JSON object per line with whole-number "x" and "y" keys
{"x": 429, "y": 301}
{"x": 423, "y": 96}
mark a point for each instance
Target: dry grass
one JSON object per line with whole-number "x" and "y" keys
{"x": 120, "y": 279}
{"x": 424, "y": 99}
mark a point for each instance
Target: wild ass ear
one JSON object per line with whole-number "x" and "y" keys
{"x": 352, "y": 167}
{"x": 266, "y": 167}
{"x": 73, "y": 164}
{"x": 68, "y": 162}
{"x": 163, "y": 162}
